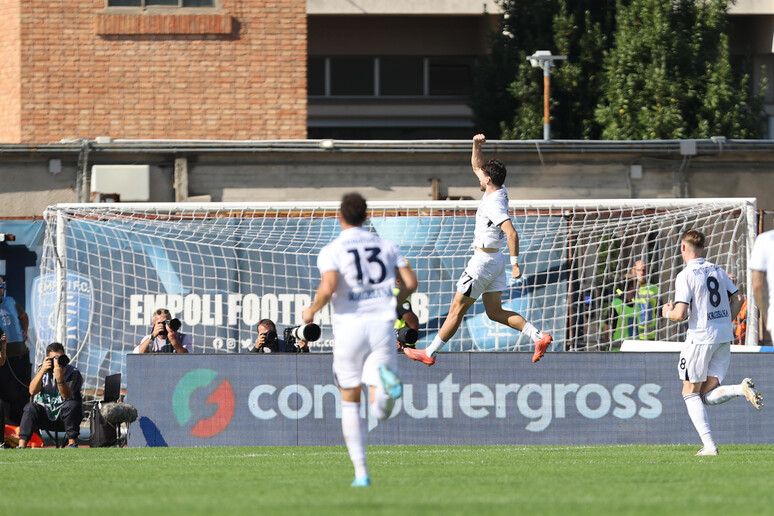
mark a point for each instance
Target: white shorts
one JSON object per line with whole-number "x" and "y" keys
{"x": 360, "y": 346}
{"x": 698, "y": 361}
{"x": 484, "y": 273}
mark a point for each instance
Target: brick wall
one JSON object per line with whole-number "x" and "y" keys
{"x": 238, "y": 72}
{"x": 9, "y": 71}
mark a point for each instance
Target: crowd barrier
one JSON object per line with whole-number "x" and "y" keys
{"x": 484, "y": 398}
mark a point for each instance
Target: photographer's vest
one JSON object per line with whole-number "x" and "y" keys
{"x": 50, "y": 397}
{"x": 645, "y": 305}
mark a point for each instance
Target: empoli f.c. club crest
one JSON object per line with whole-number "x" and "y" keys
{"x": 79, "y": 303}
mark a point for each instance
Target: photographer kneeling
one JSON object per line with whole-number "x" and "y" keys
{"x": 57, "y": 403}
{"x": 165, "y": 337}
{"x": 295, "y": 339}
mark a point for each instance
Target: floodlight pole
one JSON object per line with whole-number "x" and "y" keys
{"x": 544, "y": 60}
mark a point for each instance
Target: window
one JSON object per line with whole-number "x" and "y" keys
{"x": 315, "y": 76}
{"x": 450, "y": 76}
{"x": 389, "y": 76}
{"x": 401, "y": 76}
{"x": 352, "y": 76}
{"x": 162, "y": 3}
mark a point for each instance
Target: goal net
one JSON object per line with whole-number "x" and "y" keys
{"x": 222, "y": 267}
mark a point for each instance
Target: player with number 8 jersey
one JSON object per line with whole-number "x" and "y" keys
{"x": 358, "y": 276}
{"x": 714, "y": 302}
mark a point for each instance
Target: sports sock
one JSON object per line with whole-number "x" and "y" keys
{"x": 532, "y": 332}
{"x": 355, "y": 434}
{"x": 698, "y": 415}
{"x": 382, "y": 406}
{"x": 722, "y": 394}
{"x": 435, "y": 346}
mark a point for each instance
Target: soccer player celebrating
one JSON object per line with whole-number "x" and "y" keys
{"x": 485, "y": 273}
{"x": 714, "y": 301}
{"x": 358, "y": 274}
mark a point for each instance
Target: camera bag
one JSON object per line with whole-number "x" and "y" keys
{"x": 103, "y": 434}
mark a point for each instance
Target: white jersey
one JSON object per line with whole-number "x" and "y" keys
{"x": 492, "y": 211}
{"x": 705, "y": 288}
{"x": 762, "y": 259}
{"x": 366, "y": 265}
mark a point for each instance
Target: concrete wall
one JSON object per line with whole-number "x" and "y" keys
{"x": 398, "y": 35}
{"x": 412, "y": 7}
{"x": 303, "y": 170}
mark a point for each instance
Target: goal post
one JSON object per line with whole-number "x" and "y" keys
{"x": 222, "y": 267}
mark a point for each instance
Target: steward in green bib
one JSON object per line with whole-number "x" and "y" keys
{"x": 620, "y": 315}
{"x": 645, "y": 304}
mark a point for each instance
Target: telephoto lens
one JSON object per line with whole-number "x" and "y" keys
{"x": 407, "y": 335}
{"x": 308, "y": 332}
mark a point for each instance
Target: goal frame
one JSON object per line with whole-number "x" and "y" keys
{"x": 568, "y": 208}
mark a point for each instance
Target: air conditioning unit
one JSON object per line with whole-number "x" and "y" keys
{"x": 129, "y": 182}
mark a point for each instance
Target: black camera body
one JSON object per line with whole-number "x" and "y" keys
{"x": 271, "y": 344}
{"x": 171, "y": 324}
{"x": 62, "y": 359}
{"x": 306, "y": 332}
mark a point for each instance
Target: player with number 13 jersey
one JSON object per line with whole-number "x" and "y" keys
{"x": 366, "y": 264}
{"x": 358, "y": 272}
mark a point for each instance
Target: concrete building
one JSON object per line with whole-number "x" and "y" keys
{"x": 394, "y": 70}
{"x": 214, "y": 100}
{"x": 262, "y": 69}
{"x": 401, "y": 69}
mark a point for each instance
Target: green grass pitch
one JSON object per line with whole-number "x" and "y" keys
{"x": 469, "y": 480}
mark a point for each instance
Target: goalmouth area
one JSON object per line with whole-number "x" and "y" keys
{"x": 220, "y": 268}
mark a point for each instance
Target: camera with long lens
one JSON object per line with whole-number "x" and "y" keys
{"x": 306, "y": 332}
{"x": 407, "y": 336}
{"x": 172, "y": 325}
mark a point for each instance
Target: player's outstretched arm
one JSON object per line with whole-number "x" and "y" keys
{"x": 512, "y": 236}
{"x": 477, "y": 156}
